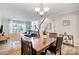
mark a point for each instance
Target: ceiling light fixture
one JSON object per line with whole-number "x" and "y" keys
{"x": 41, "y": 10}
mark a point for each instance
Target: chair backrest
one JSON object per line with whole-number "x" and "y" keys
{"x": 26, "y": 47}
{"x": 59, "y": 42}
{"x": 53, "y": 35}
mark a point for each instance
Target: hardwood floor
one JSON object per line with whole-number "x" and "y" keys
{"x": 70, "y": 50}
{"x": 10, "y": 47}
{"x": 14, "y": 48}
{"x": 67, "y": 50}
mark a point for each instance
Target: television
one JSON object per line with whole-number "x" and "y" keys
{"x": 1, "y": 28}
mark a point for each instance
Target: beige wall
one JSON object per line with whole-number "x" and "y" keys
{"x": 0, "y": 21}
{"x": 5, "y": 23}
{"x": 72, "y": 29}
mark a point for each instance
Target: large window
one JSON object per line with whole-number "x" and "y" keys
{"x": 34, "y": 25}
{"x": 18, "y": 27}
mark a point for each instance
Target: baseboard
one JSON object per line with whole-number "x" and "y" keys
{"x": 71, "y": 45}
{"x": 68, "y": 44}
{"x": 76, "y": 45}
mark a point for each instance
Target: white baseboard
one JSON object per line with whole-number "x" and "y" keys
{"x": 76, "y": 45}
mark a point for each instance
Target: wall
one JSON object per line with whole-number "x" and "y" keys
{"x": 72, "y": 29}
{"x": 0, "y": 21}
{"x": 5, "y": 23}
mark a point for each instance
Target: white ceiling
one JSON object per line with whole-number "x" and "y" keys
{"x": 25, "y": 11}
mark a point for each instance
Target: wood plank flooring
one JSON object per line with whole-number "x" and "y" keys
{"x": 14, "y": 48}
{"x": 10, "y": 47}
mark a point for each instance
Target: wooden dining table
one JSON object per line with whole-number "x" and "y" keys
{"x": 40, "y": 44}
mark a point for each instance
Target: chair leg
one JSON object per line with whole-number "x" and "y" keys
{"x": 60, "y": 51}
{"x": 21, "y": 50}
{"x": 45, "y": 51}
{"x": 55, "y": 53}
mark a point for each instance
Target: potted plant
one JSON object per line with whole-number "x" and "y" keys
{"x": 44, "y": 34}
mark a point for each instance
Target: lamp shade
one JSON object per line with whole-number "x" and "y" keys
{"x": 41, "y": 12}
{"x": 46, "y": 9}
{"x": 37, "y": 9}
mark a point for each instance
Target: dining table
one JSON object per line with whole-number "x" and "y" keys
{"x": 40, "y": 44}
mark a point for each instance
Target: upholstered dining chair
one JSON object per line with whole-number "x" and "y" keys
{"x": 53, "y": 35}
{"x": 26, "y": 47}
{"x": 57, "y": 46}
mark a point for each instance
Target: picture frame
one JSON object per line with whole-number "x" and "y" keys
{"x": 66, "y": 22}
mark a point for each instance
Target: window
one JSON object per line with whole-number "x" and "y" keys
{"x": 16, "y": 26}
{"x": 34, "y": 25}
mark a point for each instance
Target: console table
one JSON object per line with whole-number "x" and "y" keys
{"x": 3, "y": 38}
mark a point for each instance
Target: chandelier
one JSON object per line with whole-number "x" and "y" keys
{"x": 41, "y": 10}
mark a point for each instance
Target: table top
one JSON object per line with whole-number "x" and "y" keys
{"x": 3, "y": 38}
{"x": 40, "y": 43}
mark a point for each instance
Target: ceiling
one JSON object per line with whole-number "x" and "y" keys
{"x": 25, "y": 11}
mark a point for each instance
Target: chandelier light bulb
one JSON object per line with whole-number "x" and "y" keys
{"x": 41, "y": 12}
{"x": 37, "y": 9}
{"x": 46, "y": 9}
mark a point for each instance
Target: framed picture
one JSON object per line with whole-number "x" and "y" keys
{"x": 66, "y": 22}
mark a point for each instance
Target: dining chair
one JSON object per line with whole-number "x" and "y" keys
{"x": 26, "y": 47}
{"x": 57, "y": 46}
{"x": 53, "y": 35}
